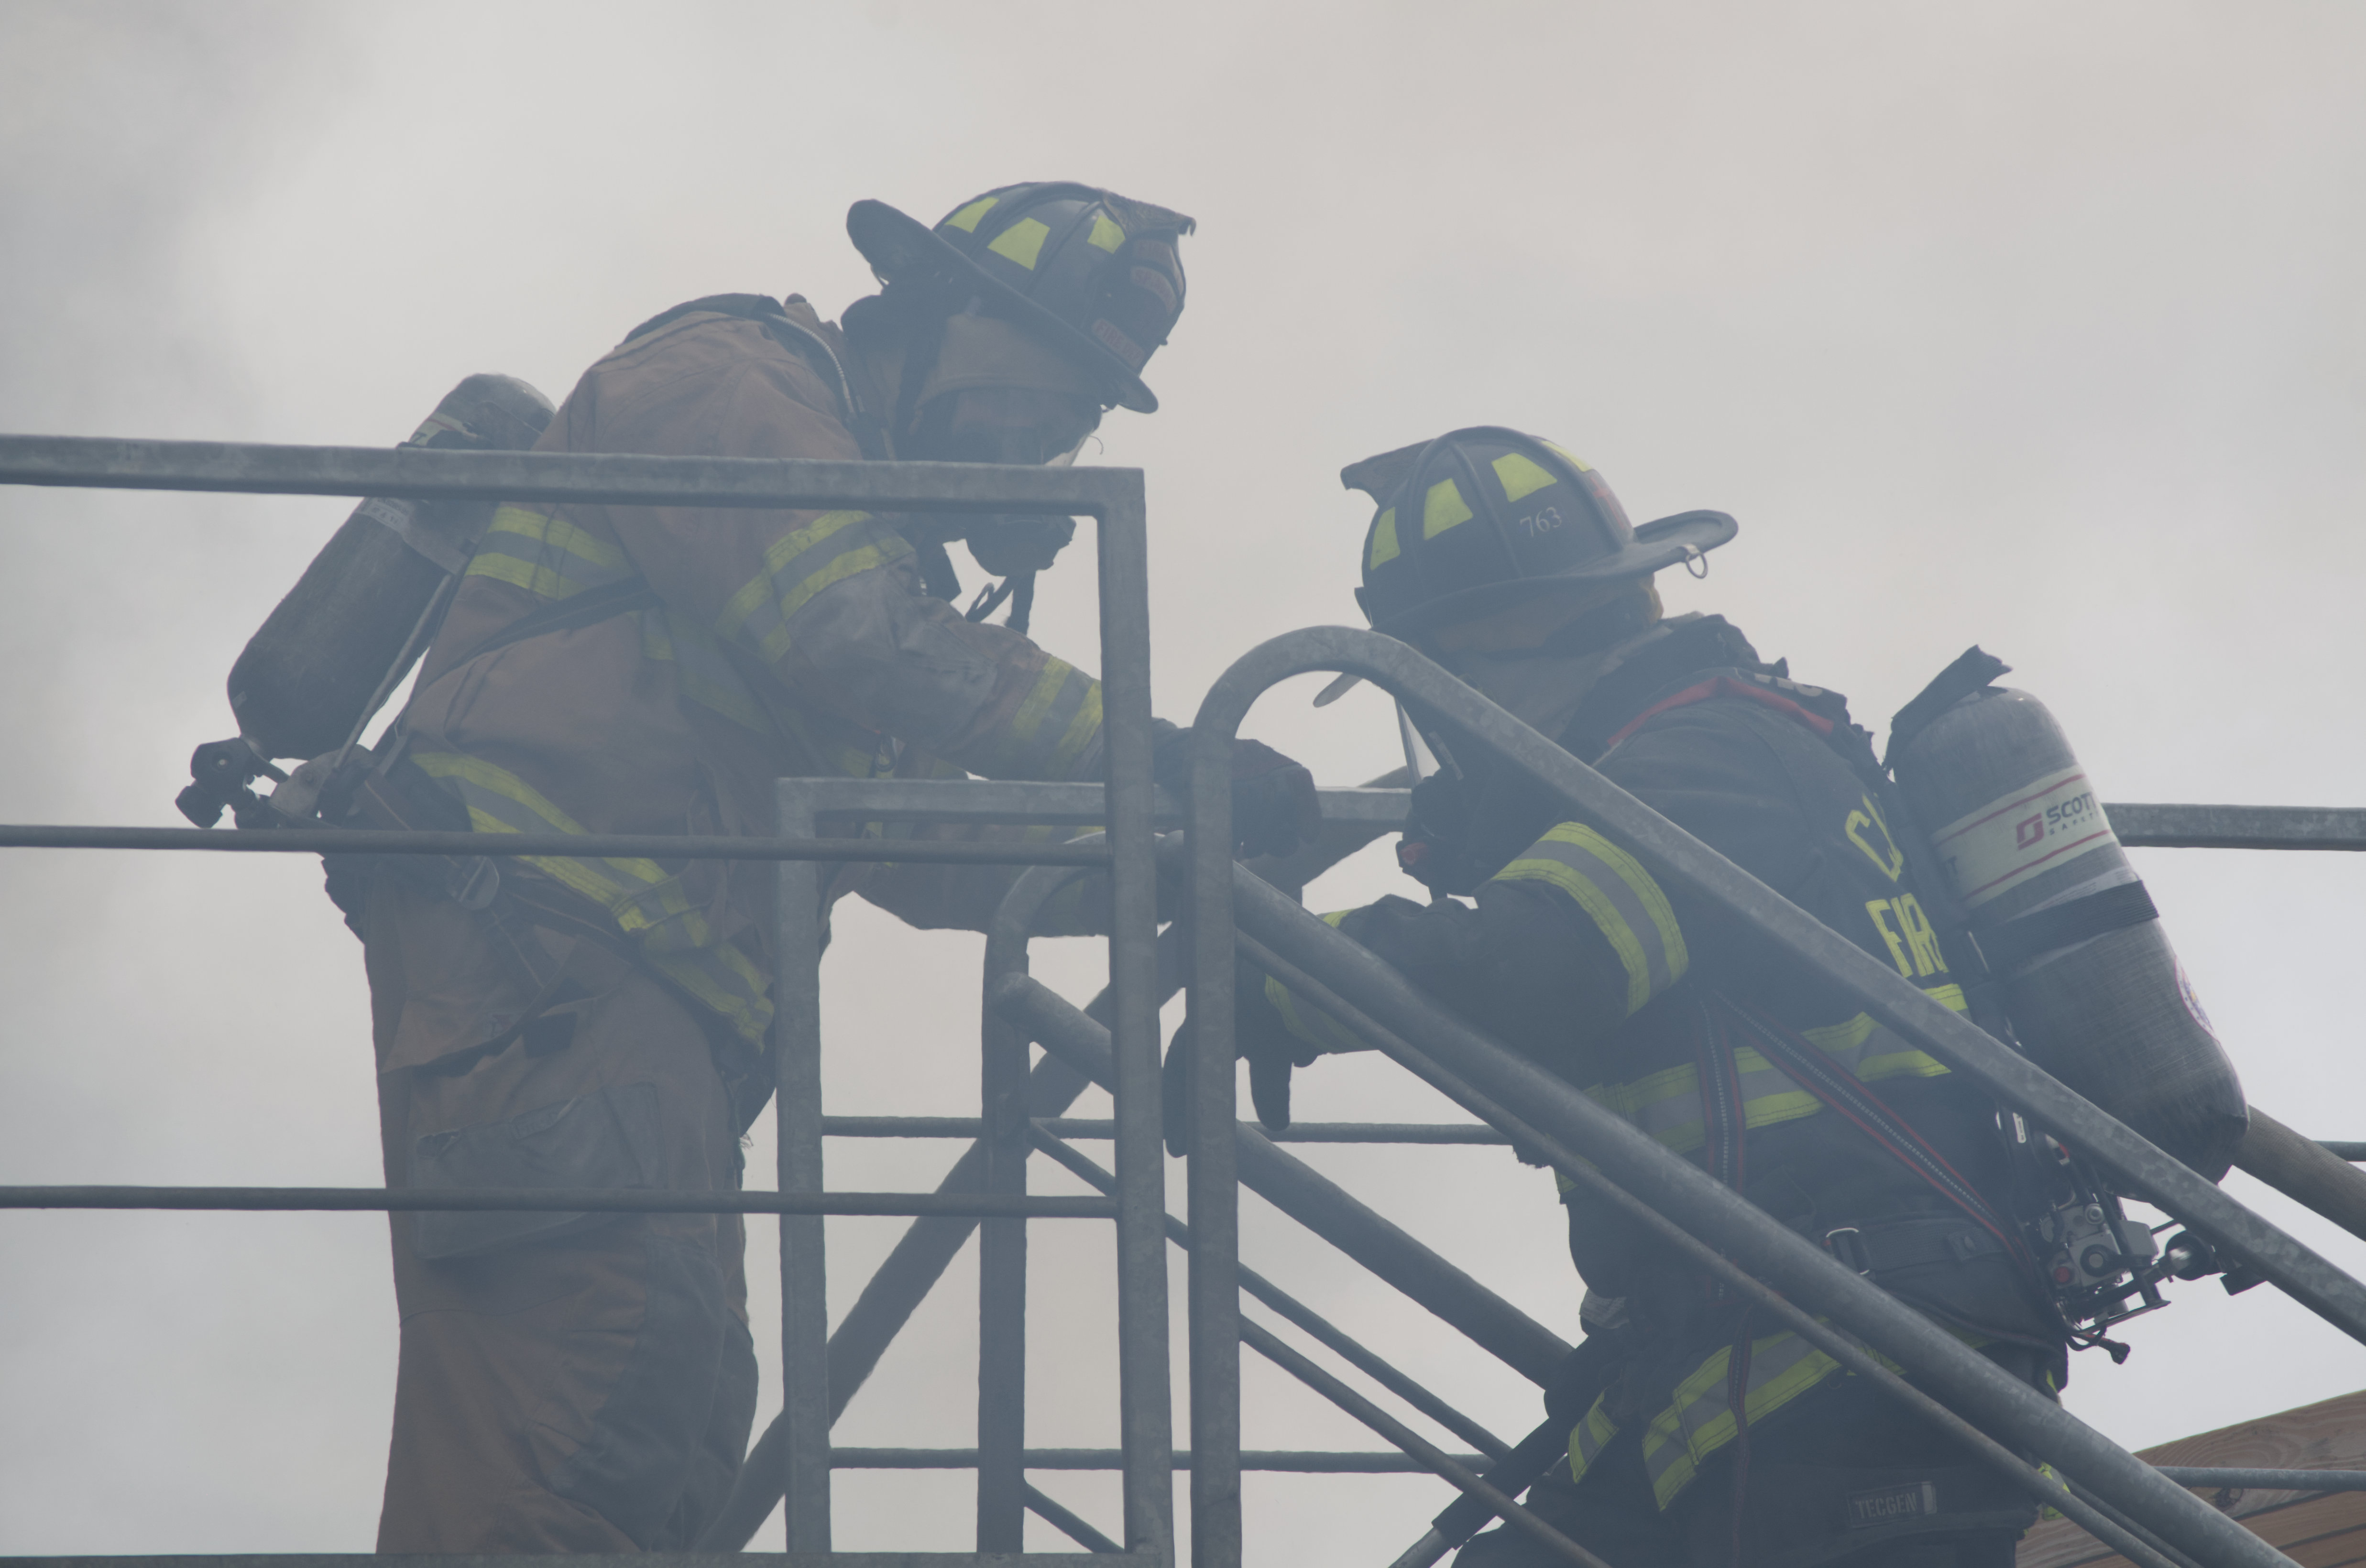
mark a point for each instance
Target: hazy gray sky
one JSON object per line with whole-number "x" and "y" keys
{"x": 2033, "y": 325}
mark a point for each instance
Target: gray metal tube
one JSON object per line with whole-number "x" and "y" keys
{"x": 1676, "y": 857}
{"x": 2267, "y": 1479}
{"x": 1427, "y": 1455}
{"x": 1717, "y": 1214}
{"x": 2236, "y": 827}
{"x": 1068, "y": 1523}
{"x": 1212, "y": 1179}
{"x": 1306, "y": 1195}
{"x": 617, "y": 845}
{"x": 1325, "y": 1331}
{"x": 1144, "y": 1398}
{"x": 415, "y": 473}
{"x": 796, "y": 1101}
{"x": 549, "y": 1200}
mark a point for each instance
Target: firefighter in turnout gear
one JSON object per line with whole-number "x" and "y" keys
{"x": 573, "y": 1382}
{"x": 1706, "y": 1437}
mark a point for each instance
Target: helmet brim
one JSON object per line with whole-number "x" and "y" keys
{"x": 1664, "y": 543}
{"x": 900, "y": 248}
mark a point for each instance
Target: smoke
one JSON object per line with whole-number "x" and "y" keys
{"x": 2018, "y": 325}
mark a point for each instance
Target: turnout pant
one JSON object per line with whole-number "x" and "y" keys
{"x": 1840, "y": 1479}
{"x": 568, "y": 1382}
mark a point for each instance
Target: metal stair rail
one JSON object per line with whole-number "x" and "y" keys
{"x": 1587, "y": 1143}
{"x": 1113, "y": 498}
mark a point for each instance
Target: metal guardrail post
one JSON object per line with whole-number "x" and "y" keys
{"x": 796, "y": 1101}
{"x": 1145, "y": 1400}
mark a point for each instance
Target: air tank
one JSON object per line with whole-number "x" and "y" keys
{"x": 2094, "y": 989}
{"x": 350, "y": 628}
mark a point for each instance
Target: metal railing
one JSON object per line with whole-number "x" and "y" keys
{"x": 1113, "y": 498}
{"x": 2139, "y": 1511}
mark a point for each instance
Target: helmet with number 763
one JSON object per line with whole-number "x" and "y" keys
{"x": 1484, "y": 518}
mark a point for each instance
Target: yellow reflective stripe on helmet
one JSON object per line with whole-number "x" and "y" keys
{"x": 1590, "y": 1437}
{"x": 1699, "y": 1419}
{"x": 1442, "y": 509}
{"x": 1022, "y": 241}
{"x": 647, "y": 903}
{"x": 545, "y": 554}
{"x": 1105, "y": 234}
{"x": 1618, "y": 896}
{"x": 1384, "y": 539}
{"x": 1574, "y": 461}
{"x": 1053, "y": 724}
{"x": 833, "y": 547}
{"x": 1312, "y": 1024}
{"x": 966, "y": 218}
{"x": 1522, "y": 474}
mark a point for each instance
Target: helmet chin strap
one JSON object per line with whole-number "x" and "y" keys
{"x": 989, "y": 599}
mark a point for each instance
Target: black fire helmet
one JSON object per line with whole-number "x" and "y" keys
{"x": 1484, "y": 518}
{"x": 1095, "y": 274}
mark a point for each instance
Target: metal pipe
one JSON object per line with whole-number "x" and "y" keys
{"x": 1212, "y": 1175}
{"x": 1683, "y": 861}
{"x": 2311, "y": 1175}
{"x": 2267, "y": 1479}
{"x": 415, "y": 473}
{"x": 2100, "y": 1520}
{"x": 548, "y": 1200}
{"x": 510, "y": 846}
{"x": 2237, "y": 827}
{"x": 1458, "y": 1472}
{"x": 1002, "y": 1289}
{"x": 1722, "y": 1218}
{"x": 1341, "y": 1343}
{"x": 1093, "y": 1127}
{"x": 1297, "y": 1462}
{"x": 1052, "y": 1512}
{"x": 927, "y": 1247}
{"x": 1430, "y": 1457}
{"x": 1144, "y": 1398}
{"x": 1307, "y": 1196}
{"x": 799, "y": 917}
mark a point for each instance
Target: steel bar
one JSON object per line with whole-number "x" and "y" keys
{"x": 1212, "y": 1177}
{"x": 598, "y": 478}
{"x": 927, "y": 1247}
{"x": 2352, "y": 1152}
{"x": 1463, "y": 1475}
{"x": 1304, "y": 1194}
{"x": 1146, "y": 1399}
{"x": 590, "y": 1560}
{"x": 1298, "y": 1461}
{"x": 1092, "y": 1127}
{"x": 2311, "y": 1175}
{"x": 2267, "y": 1479}
{"x": 2237, "y": 827}
{"x": 590, "y": 846}
{"x": 1002, "y": 1289}
{"x": 799, "y": 917}
{"x": 1340, "y": 1342}
{"x": 1052, "y": 1511}
{"x": 2100, "y": 1520}
{"x": 1794, "y": 936}
{"x": 546, "y": 1200}
{"x": 1715, "y": 1215}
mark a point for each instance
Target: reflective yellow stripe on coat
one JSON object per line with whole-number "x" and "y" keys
{"x": 647, "y": 903}
{"x": 1615, "y": 891}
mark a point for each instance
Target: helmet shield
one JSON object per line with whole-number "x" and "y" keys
{"x": 1486, "y": 517}
{"x": 1091, "y": 271}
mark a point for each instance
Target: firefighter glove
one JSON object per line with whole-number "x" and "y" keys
{"x": 1261, "y": 1037}
{"x": 1275, "y": 807}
